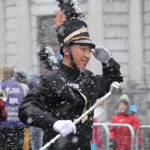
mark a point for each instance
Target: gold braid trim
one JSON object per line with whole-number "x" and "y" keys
{"x": 86, "y": 101}
{"x": 80, "y": 37}
{"x": 75, "y": 33}
{"x": 84, "y": 110}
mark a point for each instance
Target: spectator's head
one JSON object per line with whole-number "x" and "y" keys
{"x": 8, "y": 72}
{"x": 123, "y": 103}
{"x": 22, "y": 77}
{"x": 3, "y": 95}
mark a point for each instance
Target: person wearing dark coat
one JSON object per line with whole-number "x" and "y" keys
{"x": 63, "y": 95}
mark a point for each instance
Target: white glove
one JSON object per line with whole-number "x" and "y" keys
{"x": 64, "y": 127}
{"x": 101, "y": 53}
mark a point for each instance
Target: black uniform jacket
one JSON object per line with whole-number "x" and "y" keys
{"x": 58, "y": 96}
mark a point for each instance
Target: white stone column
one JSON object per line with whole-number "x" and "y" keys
{"x": 136, "y": 70}
{"x": 95, "y": 23}
{"x": 24, "y": 36}
{"x": 2, "y": 34}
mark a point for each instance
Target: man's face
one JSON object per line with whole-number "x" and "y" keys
{"x": 81, "y": 54}
{"x": 122, "y": 107}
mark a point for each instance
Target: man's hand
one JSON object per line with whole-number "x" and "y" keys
{"x": 101, "y": 53}
{"x": 64, "y": 127}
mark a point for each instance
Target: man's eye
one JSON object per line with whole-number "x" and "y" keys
{"x": 83, "y": 48}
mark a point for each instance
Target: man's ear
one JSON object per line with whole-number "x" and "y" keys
{"x": 65, "y": 51}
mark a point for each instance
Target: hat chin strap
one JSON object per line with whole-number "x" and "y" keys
{"x": 71, "y": 57}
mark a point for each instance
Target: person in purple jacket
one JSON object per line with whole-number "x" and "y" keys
{"x": 12, "y": 130}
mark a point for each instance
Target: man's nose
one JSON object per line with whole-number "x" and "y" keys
{"x": 87, "y": 54}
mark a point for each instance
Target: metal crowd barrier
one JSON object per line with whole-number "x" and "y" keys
{"x": 106, "y": 130}
{"x": 137, "y": 133}
{"x": 106, "y": 125}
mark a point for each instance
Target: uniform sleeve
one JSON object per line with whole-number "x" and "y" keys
{"x": 33, "y": 110}
{"x": 111, "y": 73}
{"x": 112, "y": 130}
{"x": 136, "y": 125}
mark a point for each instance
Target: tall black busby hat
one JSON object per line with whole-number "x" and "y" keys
{"x": 74, "y": 29}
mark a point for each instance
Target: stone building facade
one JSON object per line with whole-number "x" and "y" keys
{"x": 122, "y": 26}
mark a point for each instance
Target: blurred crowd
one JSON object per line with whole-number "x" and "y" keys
{"x": 14, "y": 135}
